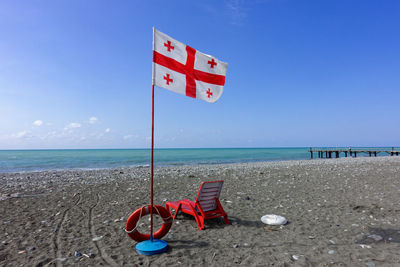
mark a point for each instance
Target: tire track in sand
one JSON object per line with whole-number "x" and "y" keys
{"x": 57, "y": 236}
{"x": 104, "y": 256}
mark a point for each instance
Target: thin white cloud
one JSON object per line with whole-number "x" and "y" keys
{"x": 38, "y": 123}
{"x": 126, "y": 137}
{"x": 93, "y": 120}
{"x": 72, "y": 125}
{"x": 107, "y": 130}
{"x": 130, "y": 136}
{"x": 51, "y": 134}
{"x": 236, "y": 10}
{"x": 21, "y": 135}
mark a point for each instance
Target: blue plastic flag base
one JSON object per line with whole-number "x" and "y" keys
{"x": 151, "y": 247}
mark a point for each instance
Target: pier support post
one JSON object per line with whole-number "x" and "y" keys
{"x": 345, "y": 154}
{"x": 337, "y": 154}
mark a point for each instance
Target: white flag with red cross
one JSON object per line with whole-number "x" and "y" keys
{"x": 181, "y": 69}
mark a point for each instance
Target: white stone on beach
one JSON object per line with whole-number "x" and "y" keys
{"x": 272, "y": 219}
{"x": 97, "y": 238}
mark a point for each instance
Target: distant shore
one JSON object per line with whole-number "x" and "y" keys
{"x": 340, "y": 211}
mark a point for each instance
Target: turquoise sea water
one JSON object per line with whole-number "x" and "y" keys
{"x": 38, "y": 160}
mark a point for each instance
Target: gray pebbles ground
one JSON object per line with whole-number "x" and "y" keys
{"x": 341, "y": 212}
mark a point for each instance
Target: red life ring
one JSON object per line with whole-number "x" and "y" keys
{"x": 140, "y": 212}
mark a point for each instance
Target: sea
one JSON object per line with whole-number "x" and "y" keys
{"x": 64, "y": 159}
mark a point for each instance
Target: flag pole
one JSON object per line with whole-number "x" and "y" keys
{"x": 151, "y": 164}
{"x": 152, "y": 146}
{"x": 152, "y": 246}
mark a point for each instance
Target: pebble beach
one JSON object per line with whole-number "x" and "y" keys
{"x": 340, "y": 212}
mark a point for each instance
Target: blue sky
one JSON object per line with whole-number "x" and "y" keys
{"x": 77, "y": 74}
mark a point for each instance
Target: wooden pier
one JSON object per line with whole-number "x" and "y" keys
{"x": 352, "y": 152}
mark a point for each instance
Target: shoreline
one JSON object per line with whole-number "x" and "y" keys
{"x": 333, "y": 206}
{"x": 190, "y": 165}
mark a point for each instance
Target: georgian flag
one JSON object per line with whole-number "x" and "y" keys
{"x": 181, "y": 69}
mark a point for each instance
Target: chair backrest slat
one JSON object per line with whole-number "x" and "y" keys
{"x": 208, "y": 192}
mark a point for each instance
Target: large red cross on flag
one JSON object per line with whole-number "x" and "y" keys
{"x": 181, "y": 69}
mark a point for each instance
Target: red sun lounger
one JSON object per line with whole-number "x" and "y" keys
{"x": 206, "y": 206}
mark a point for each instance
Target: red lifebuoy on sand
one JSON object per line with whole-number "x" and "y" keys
{"x": 140, "y": 212}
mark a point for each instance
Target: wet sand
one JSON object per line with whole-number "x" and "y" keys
{"x": 341, "y": 212}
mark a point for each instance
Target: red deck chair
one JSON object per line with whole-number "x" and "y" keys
{"x": 206, "y": 206}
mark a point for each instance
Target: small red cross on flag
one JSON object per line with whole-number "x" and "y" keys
{"x": 184, "y": 70}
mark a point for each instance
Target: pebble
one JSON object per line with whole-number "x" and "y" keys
{"x": 246, "y": 244}
{"x": 247, "y": 198}
{"x": 78, "y": 254}
{"x": 97, "y": 238}
{"x": 106, "y": 221}
{"x": 28, "y": 249}
{"x": 235, "y": 246}
{"x": 370, "y": 264}
{"x": 376, "y": 237}
{"x": 118, "y": 220}
{"x": 295, "y": 257}
{"x": 332, "y": 242}
{"x": 61, "y": 259}
{"x": 331, "y": 252}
